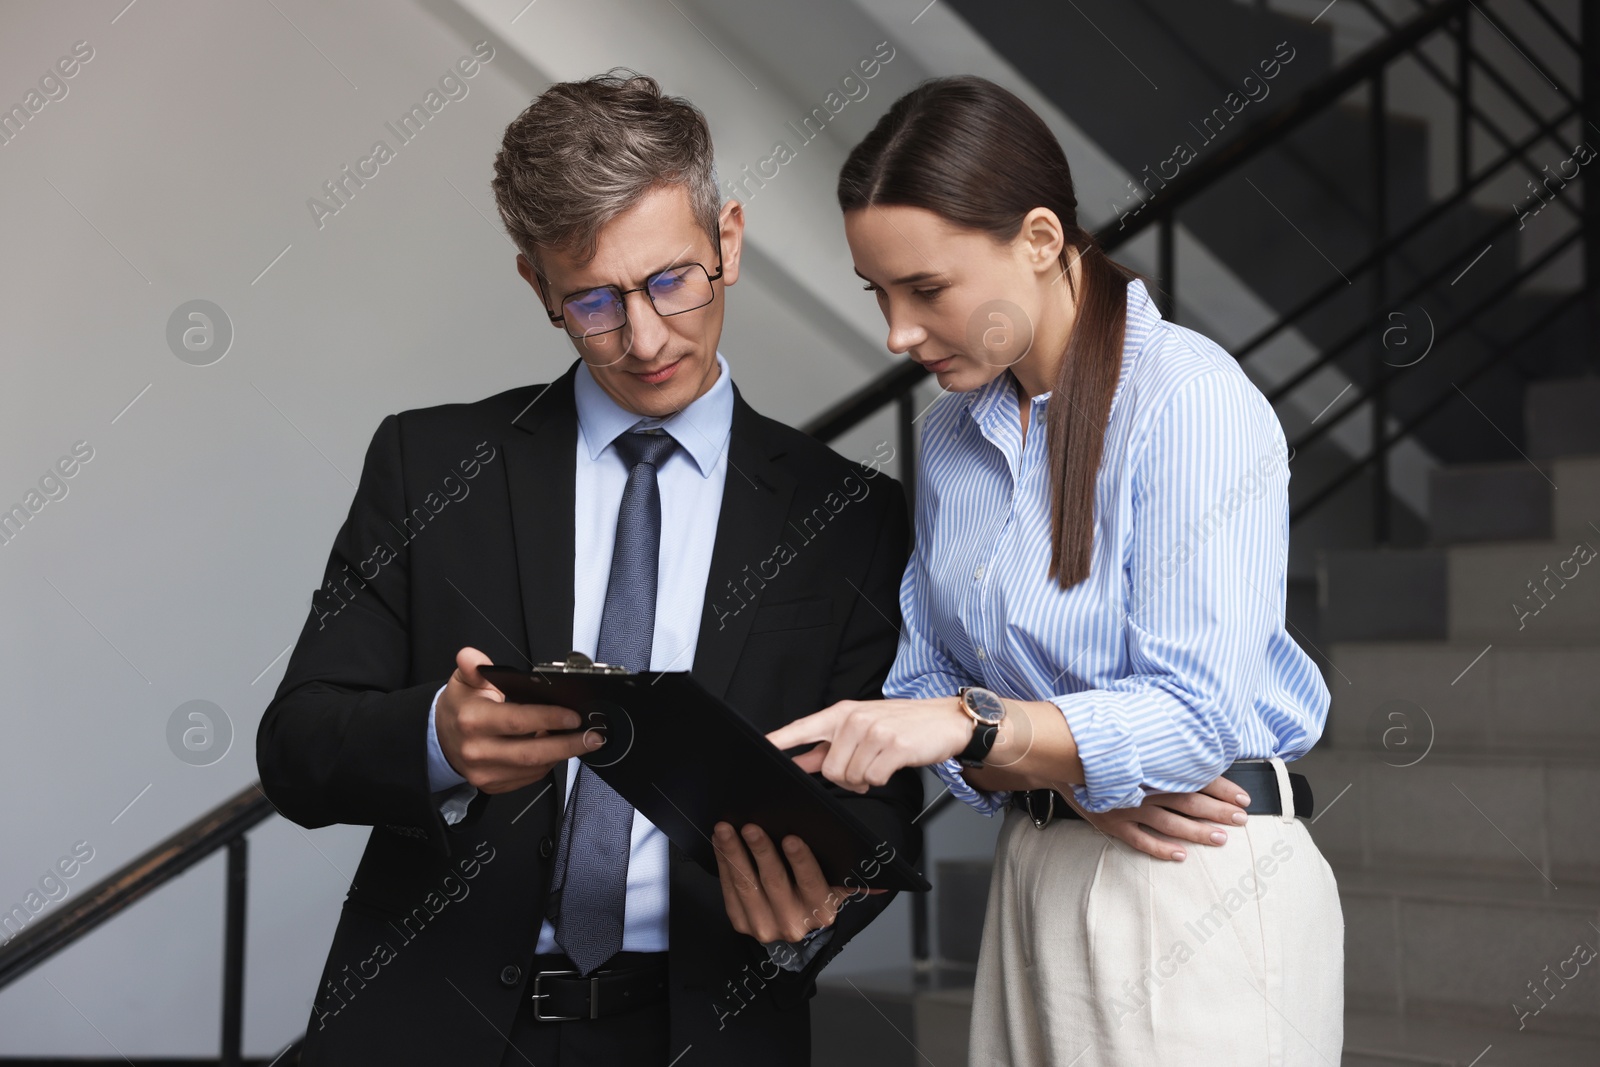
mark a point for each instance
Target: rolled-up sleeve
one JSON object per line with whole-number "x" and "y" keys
{"x": 1206, "y": 587}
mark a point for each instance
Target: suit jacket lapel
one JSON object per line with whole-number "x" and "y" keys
{"x": 755, "y": 504}
{"x": 541, "y": 460}
{"x": 540, "y": 466}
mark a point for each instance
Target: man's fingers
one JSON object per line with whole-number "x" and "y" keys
{"x": 513, "y": 720}
{"x": 729, "y": 851}
{"x": 731, "y": 900}
{"x": 522, "y": 752}
{"x": 468, "y": 660}
{"x": 774, "y": 875}
{"x": 814, "y": 888}
{"x": 752, "y": 898}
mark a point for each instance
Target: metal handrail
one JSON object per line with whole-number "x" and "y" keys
{"x": 1370, "y": 260}
{"x": 222, "y": 827}
{"x": 861, "y": 405}
{"x": 1357, "y": 466}
{"x": 1544, "y": 258}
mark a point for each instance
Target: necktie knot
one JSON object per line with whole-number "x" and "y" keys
{"x": 639, "y": 446}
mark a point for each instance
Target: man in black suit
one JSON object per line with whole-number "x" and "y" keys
{"x": 635, "y": 504}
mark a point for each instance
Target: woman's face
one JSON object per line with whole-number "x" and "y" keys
{"x": 961, "y": 304}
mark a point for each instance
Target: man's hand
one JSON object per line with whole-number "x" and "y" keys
{"x": 1160, "y": 825}
{"x": 499, "y": 746}
{"x": 762, "y": 899}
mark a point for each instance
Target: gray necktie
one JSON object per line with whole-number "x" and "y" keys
{"x": 588, "y": 887}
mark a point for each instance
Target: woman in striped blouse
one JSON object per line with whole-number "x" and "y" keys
{"x": 1093, "y": 619}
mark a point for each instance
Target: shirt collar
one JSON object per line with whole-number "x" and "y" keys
{"x": 701, "y": 429}
{"x": 988, "y": 399}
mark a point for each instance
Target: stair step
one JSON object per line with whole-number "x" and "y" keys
{"x": 1470, "y": 814}
{"x": 1490, "y": 502}
{"x": 1524, "y": 592}
{"x": 872, "y": 1019}
{"x": 1577, "y": 499}
{"x": 1377, "y": 1040}
{"x": 1561, "y": 417}
{"x": 1531, "y": 592}
{"x": 1559, "y": 501}
{"x": 941, "y": 1019}
{"x": 1448, "y": 947}
{"x": 1464, "y": 697}
{"x": 1371, "y": 595}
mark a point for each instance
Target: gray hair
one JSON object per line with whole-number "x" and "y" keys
{"x": 586, "y": 151}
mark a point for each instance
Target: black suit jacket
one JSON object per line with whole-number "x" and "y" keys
{"x": 461, "y": 533}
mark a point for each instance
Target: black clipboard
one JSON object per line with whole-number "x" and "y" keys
{"x": 687, "y": 761}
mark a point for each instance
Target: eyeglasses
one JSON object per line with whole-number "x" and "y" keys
{"x": 603, "y": 309}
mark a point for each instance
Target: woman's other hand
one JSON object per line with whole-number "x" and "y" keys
{"x": 861, "y": 743}
{"x": 1160, "y": 826}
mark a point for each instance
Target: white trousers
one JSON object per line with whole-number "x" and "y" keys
{"x": 1096, "y": 955}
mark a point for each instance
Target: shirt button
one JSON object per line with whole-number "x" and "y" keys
{"x": 546, "y": 846}
{"x": 509, "y": 975}
{"x": 980, "y": 652}
{"x": 979, "y": 572}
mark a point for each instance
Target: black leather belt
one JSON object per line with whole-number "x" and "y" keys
{"x": 562, "y": 995}
{"x": 1256, "y": 777}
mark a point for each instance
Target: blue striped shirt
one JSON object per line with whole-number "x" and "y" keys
{"x": 1169, "y": 661}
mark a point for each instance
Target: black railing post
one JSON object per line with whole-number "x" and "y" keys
{"x": 906, "y": 417}
{"x": 920, "y": 953}
{"x": 1589, "y": 36}
{"x": 233, "y": 952}
{"x": 1380, "y": 227}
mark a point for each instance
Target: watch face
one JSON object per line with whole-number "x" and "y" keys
{"x": 984, "y": 704}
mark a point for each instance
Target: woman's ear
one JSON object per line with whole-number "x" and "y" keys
{"x": 1043, "y": 238}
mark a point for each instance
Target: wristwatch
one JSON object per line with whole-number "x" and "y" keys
{"x": 987, "y": 711}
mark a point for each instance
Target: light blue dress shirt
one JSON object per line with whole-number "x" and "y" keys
{"x": 1171, "y": 660}
{"x": 691, "y": 482}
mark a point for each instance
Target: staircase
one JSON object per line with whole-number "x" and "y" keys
{"x": 1457, "y": 782}
{"x": 1465, "y": 732}
{"x": 1289, "y": 214}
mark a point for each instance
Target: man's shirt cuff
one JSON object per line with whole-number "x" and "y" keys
{"x": 442, "y": 778}
{"x": 795, "y": 955}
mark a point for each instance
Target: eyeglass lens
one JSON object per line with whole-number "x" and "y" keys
{"x": 672, "y": 292}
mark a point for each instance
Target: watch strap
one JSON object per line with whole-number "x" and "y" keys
{"x": 982, "y": 743}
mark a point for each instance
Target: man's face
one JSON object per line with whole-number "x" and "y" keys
{"x": 655, "y": 364}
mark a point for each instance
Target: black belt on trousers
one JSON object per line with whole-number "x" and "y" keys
{"x": 562, "y": 995}
{"x": 1256, "y": 777}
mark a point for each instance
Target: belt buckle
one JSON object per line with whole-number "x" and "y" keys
{"x": 1050, "y": 810}
{"x": 536, "y": 996}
